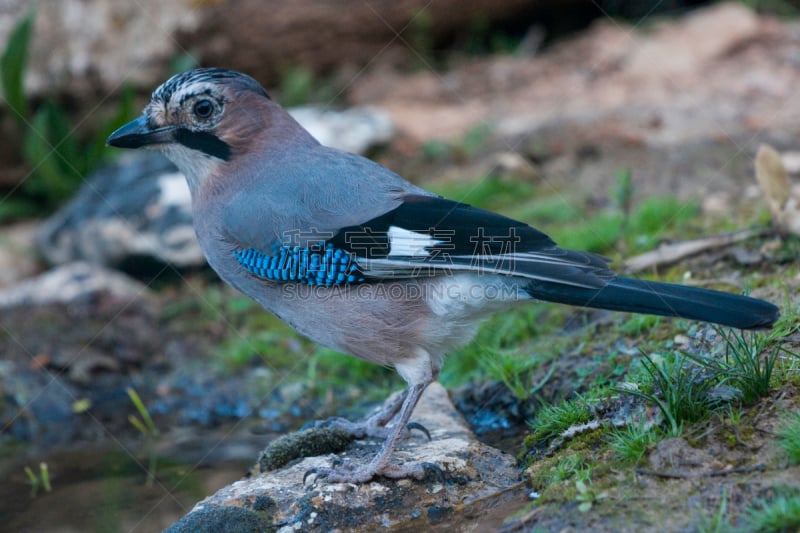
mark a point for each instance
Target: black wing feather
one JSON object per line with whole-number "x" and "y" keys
{"x": 466, "y": 238}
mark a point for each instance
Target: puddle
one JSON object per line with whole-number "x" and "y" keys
{"x": 105, "y": 490}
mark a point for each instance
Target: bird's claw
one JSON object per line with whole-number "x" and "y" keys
{"x": 318, "y": 472}
{"x": 419, "y": 427}
{"x": 341, "y": 471}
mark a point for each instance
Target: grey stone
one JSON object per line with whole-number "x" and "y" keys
{"x": 137, "y": 209}
{"x": 356, "y": 129}
{"x": 476, "y": 475}
{"x": 71, "y": 283}
{"x": 18, "y": 256}
{"x": 217, "y": 519}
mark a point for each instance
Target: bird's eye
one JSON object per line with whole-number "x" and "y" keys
{"x": 203, "y": 108}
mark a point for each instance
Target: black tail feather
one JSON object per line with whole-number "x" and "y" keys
{"x": 665, "y": 299}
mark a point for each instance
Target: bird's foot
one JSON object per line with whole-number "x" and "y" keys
{"x": 378, "y": 425}
{"x": 347, "y": 472}
{"x": 367, "y": 428}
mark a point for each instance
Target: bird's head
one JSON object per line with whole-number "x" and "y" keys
{"x": 201, "y": 119}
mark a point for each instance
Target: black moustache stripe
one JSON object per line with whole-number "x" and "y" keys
{"x": 205, "y": 142}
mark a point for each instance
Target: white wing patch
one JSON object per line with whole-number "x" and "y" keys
{"x": 406, "y": 243}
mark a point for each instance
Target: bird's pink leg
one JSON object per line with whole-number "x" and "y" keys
{"x": 380, "y": 465}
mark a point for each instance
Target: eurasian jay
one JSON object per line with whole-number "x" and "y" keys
{"x": 360, "y": 260}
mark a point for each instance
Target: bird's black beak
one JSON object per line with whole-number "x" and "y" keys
{"x": 137, "y": 133}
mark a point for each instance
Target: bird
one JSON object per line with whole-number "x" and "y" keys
{"x": 358, "y": 259}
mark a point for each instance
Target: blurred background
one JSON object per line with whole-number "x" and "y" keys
{"x": 133, "y": 383}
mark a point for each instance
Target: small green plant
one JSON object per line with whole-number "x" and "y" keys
{"x": 420, "y": 39}
{"x": 42, "y": 480}
{"x": 781, "y": 8}
{"x": 13, "y": 63}
{"x": 487, "y": 191}
{"x": 596, "y": 233}
{"x": 789, "y": 436}
{"x": 638, "y": 324}
{"x": 241, "y": 351}
{"x": 587, "y": 496}
{"x": 553, "y": 420}
{"x": 677, "y": 389}
{"x": 474, "y": 139}
{"x": 568, "y": 467}
{"x": 328, "y": 368}
{"x": 718, "y": 523}
{"x": 781, "y": 513}
{"x": 734, "y": 413}
{"x": 145, "y": 425}
{"x": 296, "y": 86}
{"x": 515, "y": 371}
{"x": 482, "y": 39}
{"x": 631, "y": 442}
{"x": 58, "y": 158}
{"x": 743, "y": 366}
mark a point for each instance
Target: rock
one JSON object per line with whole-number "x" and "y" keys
{"x": 356, "y": 129}
{"x": 476, "y": 477}
{"x": 67, "y": 284}
{"x": 73, "y": 336}
{"x": 692, "y": 44}
{"x": 88, "y": 48}
{"x": 18, "y": 256}
{"x": 782, "y": 196}
{"x": 129, "y": 216}
{"x": 215, "y": 519}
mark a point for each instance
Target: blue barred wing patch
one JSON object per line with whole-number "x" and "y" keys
{"x": 323, "y": 265}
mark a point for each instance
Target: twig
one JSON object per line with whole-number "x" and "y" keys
{"x": 714, "y": 473}
{"x": 673, "y": 252}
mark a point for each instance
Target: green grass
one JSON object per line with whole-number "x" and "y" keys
{"x": 41, "y": 480}
{"x": 749, "y": 360}
{"x": 676, "y": 388}
{"x": 328, "y": 370}
{"x": 568, "y": 467}
{"x": 568, "y": 216}
{"x": 789, "y": 436}
{"x": 631, "y": 442}
{"x": 779, "y": 514}
{"x": 145, "y": 425}
{"x": 299, "y": 86}
{"x": 718, "y": 522}
{"x": 639, "y": 324}
{"x": 491, "y": 192}
{"x": 515, "y": 371}
{"x": 553, "y": 420}
{"x": 519, "y": 338}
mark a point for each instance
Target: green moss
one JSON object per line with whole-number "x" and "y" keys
{"x": 307, "y": 443}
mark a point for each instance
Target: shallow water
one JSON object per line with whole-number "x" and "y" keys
{"x": 105, "y": 489}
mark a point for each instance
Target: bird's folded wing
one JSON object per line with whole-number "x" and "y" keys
{"x": 426, "y": 236}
